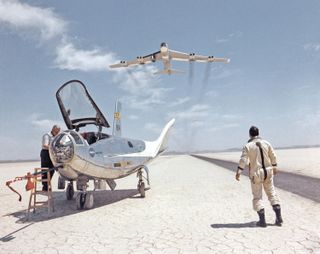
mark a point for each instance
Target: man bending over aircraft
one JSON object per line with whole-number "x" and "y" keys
{"x": 44, "y": 154}
{"x": 262, "y": 167}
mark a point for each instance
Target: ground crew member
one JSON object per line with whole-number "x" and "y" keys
{"x": 44, "y": 154}
{"x": 262, "y": 166}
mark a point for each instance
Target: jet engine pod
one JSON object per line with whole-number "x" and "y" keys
{"x": 192, "y": 56}
{"x": 140, "y": 59}
{"x": 62, "y": 148}
{"x": 124, "y": 63}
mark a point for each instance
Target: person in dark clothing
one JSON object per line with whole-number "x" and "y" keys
{"x": 44, "y": 154}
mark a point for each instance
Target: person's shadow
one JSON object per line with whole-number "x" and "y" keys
{"x": 251, "y": 224}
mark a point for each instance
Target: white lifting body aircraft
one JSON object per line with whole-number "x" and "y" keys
{"x": 166, "y": 55}
{"x": 97, "y": 156}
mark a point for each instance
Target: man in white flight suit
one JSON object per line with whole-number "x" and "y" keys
{"x": 262, "y": 165}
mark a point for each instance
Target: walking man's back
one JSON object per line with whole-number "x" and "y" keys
{"x": 262, "y": 166}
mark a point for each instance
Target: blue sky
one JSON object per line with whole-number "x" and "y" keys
{"x": 272, "y": 80}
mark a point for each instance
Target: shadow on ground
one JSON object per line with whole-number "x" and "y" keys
{"x": 64, "y": 207}
{"x": 251, "y": 224}
{"x": 11, "y": 236}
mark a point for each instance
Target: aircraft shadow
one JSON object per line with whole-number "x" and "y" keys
{"x": 64, "y": 207}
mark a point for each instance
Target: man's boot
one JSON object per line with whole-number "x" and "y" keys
{"x": 277, "y": 210}
{"x": 262, "y": 219}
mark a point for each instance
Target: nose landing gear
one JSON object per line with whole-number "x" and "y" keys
{"x": 84, "y": 199}
{"x": 70, "y": 191}
{"x": 141, "y": 189}
{"x": 141, "y": 185}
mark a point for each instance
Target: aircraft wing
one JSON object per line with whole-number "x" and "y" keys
{"x": 181, "y": 56}
{"x": 125, "y": 64}
{"x": 152, "y": 57}
{"x": 140, "y": 60}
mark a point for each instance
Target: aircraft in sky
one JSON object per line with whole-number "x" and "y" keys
{"x": 166, "y": 55}
{"x": 94, "y": 155}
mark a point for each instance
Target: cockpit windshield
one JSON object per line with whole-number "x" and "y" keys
{"x": 77, "y": 106}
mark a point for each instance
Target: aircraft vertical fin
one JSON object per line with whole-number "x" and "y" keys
{"x": 161, "y": 142}
{"x": 117, "y": 120}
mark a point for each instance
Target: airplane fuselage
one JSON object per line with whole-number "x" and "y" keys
{"x": 165, "y": 55}
{"x": 108, "y": 158}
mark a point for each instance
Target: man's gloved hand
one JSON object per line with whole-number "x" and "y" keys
{"x": 238, "y": 175}
{"x": 275, "y": 170}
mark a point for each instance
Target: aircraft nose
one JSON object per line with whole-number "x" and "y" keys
{"x": 61, "y": 148}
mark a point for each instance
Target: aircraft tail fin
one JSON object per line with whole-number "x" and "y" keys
{"x": 169, "y": 71}
{"x": 162, "y": 141}
{"x": 155, "y": 148}
{"x": 117, "y": 120}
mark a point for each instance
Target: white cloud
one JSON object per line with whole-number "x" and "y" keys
{"x": 42, "y": 22}
{"x": 153, "y": 127}
{"x": 179, "y": 101}
{"x": 308, "y": 117}
{"x": 229, "y": 37}
{"x": 142, "y": 86}
{"x": 236, "y": 34}
{"x": 212, "y": 94}
{"x": 138, "y": 80}
{"x": 197, "y": 111}
{"x": 222, "y": 73}
{"x": 200, "y": 115}
{"x": 70, "y": 58}
{"x": 133, "y": 117}
{"x": 223, "y": 127}
{"x": 222, "y": 40}
{"x": 231, "y": 117}
{"x": 44, "y": 124}
{"x": 44, "y": 25}
{"x": 197, "y": 124}
{"x": 312, "y": 46}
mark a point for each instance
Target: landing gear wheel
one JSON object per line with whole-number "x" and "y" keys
{"x": 80, "y": 200}
{"x": 84, "y": 201}
{"x": 88, "y": 204}
{"x": 141, "y": 189}
{"x": 61, "y": 183}
{"x": 69, "y": 191}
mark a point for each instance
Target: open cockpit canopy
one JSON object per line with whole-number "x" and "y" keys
{"x": 77, "y": 107}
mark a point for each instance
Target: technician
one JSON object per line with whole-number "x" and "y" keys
{"x": 44, "y": 154}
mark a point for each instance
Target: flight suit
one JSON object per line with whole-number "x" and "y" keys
{"x": 258, "y": 176}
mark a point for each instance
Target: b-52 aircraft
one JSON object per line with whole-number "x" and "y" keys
{"x": 166, "y": 55}
{"x": 83, "y": 156}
